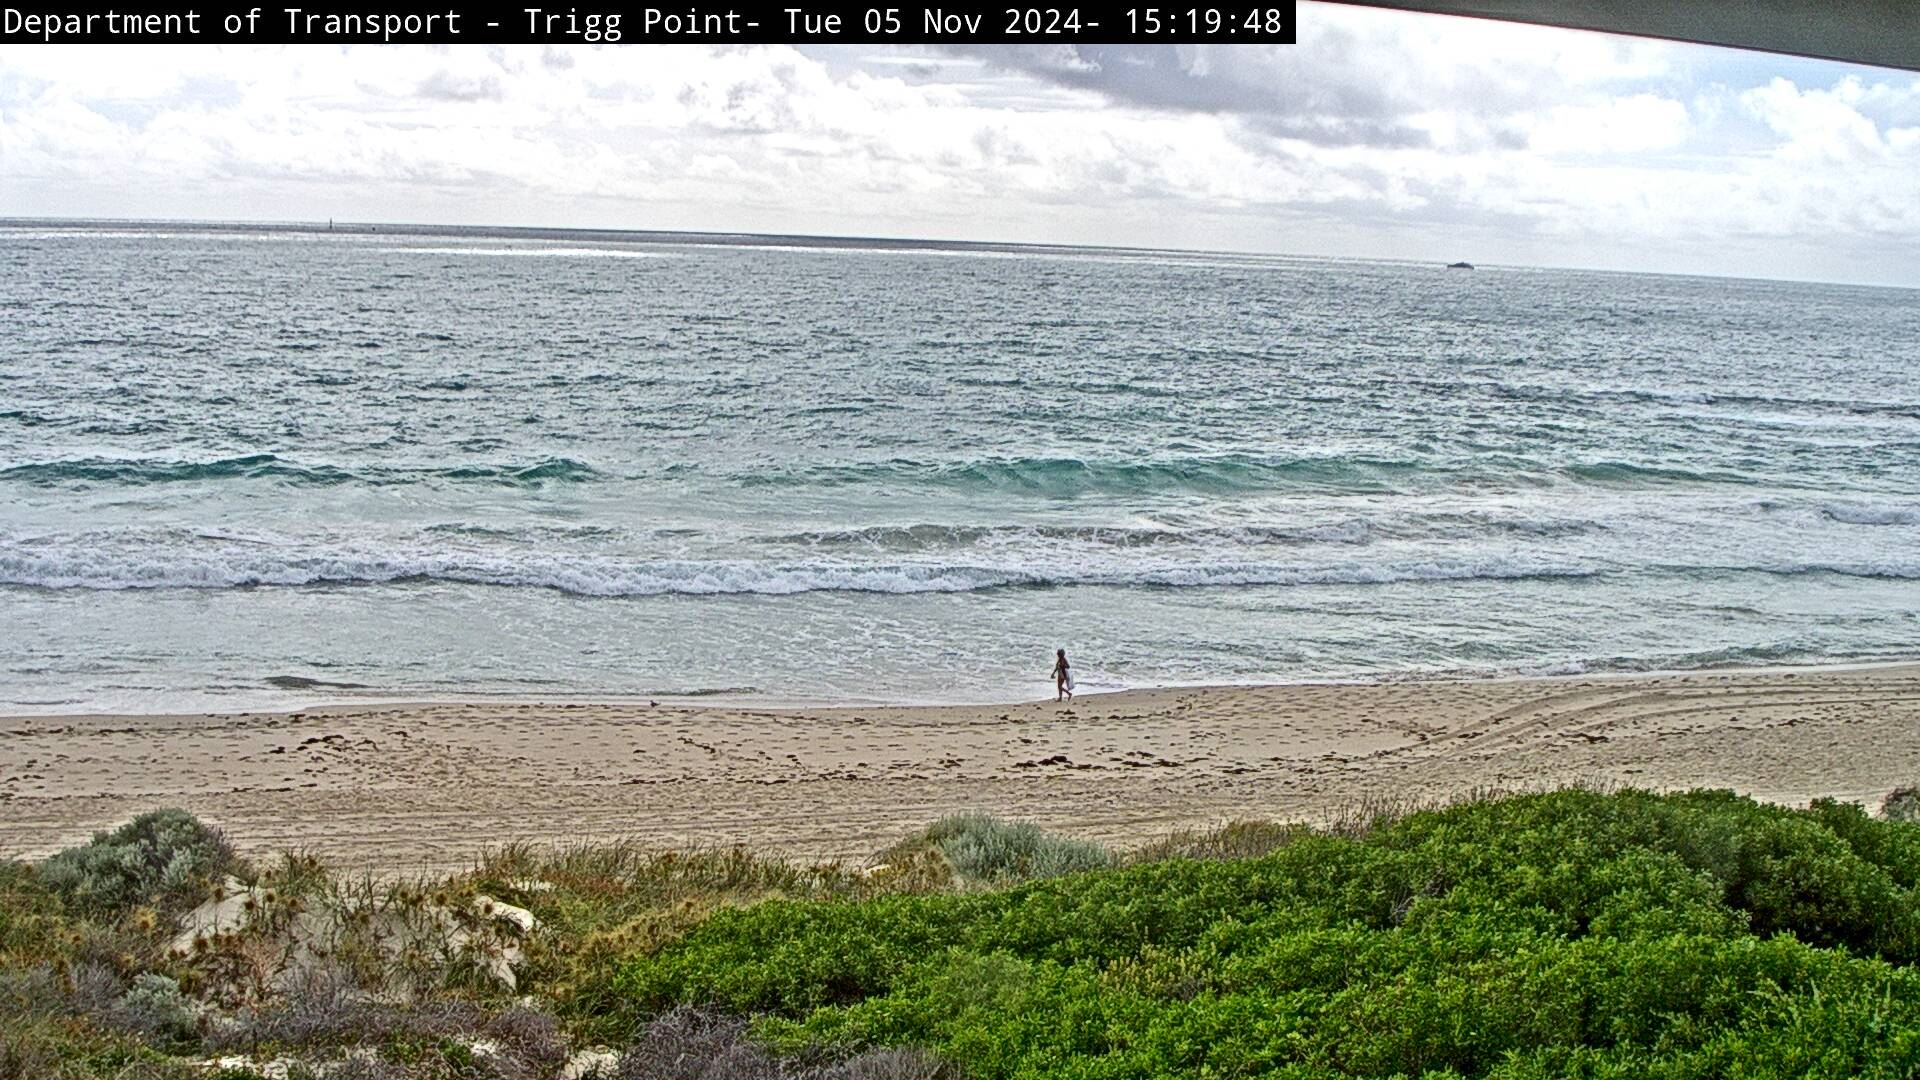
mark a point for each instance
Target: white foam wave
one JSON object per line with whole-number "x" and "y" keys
{"x": 926, "y": 537}
{"x": 1555, "y": 669}
{"x": 1865, "y": 514}
{"x": 1898, "y": 570}
{"x": 234, "y": 566}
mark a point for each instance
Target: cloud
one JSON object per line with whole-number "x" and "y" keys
{"x": 1626, "y": 125}
{"x": 1357, "y": 77}
{"x": 446, "y": 86}
{"x": 1380, "y": 134}
{"x": 1817, "y": 124}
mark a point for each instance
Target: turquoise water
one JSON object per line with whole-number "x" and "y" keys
{"x": 470, "y": 463}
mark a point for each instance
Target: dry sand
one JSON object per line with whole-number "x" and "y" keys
{"x": 399, "y": 788}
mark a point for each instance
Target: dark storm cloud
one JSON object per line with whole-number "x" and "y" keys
{"x": 1341, "y": 131}
{"x": 446, "y": 86}
{"x": 1321, "y": 100}
{"x": 1154, "y": 76}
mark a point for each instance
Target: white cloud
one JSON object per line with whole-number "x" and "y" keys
{"x": 1621, "y": 125}
{"x": 1817, "y": 124}
{"x": 1380, "y": 134}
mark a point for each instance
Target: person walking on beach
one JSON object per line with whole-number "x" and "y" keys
{"x": 1062, "y": 676}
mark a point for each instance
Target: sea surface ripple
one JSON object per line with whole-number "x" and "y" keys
{"x": 237, "y": 464}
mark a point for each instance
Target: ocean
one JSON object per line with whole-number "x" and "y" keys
{"x": 259, "y": 467}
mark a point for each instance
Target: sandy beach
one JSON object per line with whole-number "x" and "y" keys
{"x": 397, "y": 788}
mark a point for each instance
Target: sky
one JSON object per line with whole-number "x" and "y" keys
{"x": 1381, "y": 134}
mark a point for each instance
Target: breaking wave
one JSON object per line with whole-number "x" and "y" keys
{"x": 220, "y": 561}
{"x": 139, "y": 472}
{"x": 1355, "y": 531}
{"x": 1627, "y": 474}
{"x": 251, "y": 566}
{"x": 934, "y": 536}
{"x": 1859, "y": 514}
{"x": 1068, "y": 477}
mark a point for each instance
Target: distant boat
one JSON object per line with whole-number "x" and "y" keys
{"x": 1460, "y": 266}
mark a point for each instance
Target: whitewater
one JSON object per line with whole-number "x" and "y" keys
{"x": 242, "y": 465}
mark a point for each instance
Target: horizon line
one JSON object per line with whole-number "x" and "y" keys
{"x": 830, "y": 240}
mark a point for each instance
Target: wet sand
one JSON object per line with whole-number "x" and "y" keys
{"x": 399, "y": 788}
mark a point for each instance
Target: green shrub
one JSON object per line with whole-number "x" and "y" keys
{"x": 1570, "y": 933}
{"x": 1893, "y": 846}
{"x": 164, "y": 858}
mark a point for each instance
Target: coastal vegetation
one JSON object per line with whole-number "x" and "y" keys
{"x": 1567, "y": 933}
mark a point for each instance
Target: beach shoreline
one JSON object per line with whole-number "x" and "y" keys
{"x": 398, "y": 787}
{"x": 282, "y": 705}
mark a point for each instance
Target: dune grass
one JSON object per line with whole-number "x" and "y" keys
{"x": 1571, "y": 933}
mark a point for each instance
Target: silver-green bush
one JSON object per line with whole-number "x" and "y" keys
{"x": 164, "y": 858}
{"x": 1902, "y": 804}
{"x": 154, "y": 1005}
{"x": 985, "y": 849}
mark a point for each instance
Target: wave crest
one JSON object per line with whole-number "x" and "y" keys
{"x": 1068, "y": 476}
{"x": 140, "y": 472}
{"x": 1230, "y": 474}
{"x": 923, "y": 537}
{"x": 254, "y": 566}
{"x": 1858, "y": 514}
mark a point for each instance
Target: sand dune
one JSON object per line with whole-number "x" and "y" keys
{"x": 425, "y": 786}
